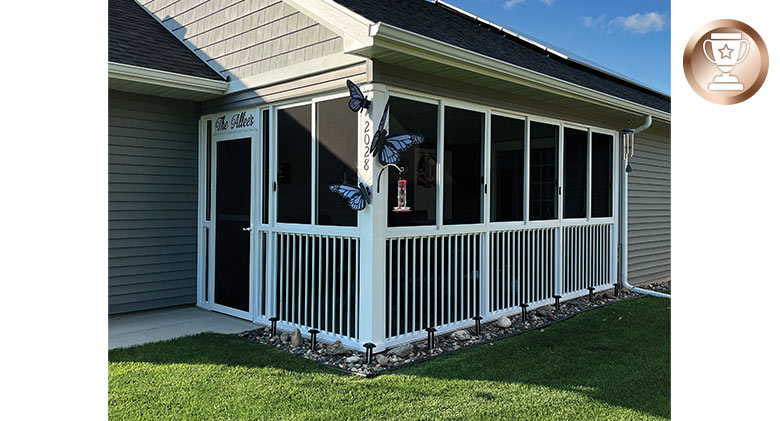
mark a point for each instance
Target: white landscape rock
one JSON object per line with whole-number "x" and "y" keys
{"x": 461, "y": 335}
{"x": 353, "y": 359}
{"x": 296, "y": 339}
{"x": 503, "y": 322}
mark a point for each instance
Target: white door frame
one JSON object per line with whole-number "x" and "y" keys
{"x": 230, "y": 132}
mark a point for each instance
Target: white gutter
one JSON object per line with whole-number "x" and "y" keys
{"x": 408, "y": 42}
{"x": 628, "y": 151}
{"x": 168, "y": 79}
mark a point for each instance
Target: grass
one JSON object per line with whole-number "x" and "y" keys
{"x": 608, "y": 364}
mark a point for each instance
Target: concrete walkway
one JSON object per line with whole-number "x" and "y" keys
{"x": 159, "y": 325}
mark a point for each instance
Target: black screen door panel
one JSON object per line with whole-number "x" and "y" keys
{"x": 231, "y": 253}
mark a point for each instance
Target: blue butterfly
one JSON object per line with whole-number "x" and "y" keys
{"x": 389, "y": 148}
{"x": 356, "y": 197}
{"x": 358, "y": 100}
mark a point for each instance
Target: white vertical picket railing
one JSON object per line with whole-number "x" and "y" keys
{"x": 586, "y": 257}
{"x": 439, "y": 280}
{"x": 317, "y": 284}
{"x": 522, "y": 267}
{"x": 431, "y": 280}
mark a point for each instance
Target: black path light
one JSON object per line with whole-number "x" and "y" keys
{"x": 557, "y": 302}
{"x": 525, "y": 311}
{"x": 617, "y": 288}
{"x": 313, "y": 333}
{"x": 431, "y": 331}
{"x": 369, "y": 352}
{"x": 477, "y": 324}
{"x": 590, "y": 294}
{"x": 273, "y": 325}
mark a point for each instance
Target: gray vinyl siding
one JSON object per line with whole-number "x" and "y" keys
{"x": 649, "y": 210}
{"x": 152, "y": 202}
{"x": 243, "y": 38}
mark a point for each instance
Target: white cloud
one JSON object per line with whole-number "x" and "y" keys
{"x": 590, "y": 21}
{"x": 640, "y": 23}
{"x": 509, "y": 4}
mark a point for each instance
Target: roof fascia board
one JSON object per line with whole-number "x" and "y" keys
{"x": 415, "y": 44}
{"x": 352, "y": 27}
{"x": 168, "y": 79}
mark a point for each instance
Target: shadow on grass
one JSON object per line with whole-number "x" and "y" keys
{"x": 619, "y": 355}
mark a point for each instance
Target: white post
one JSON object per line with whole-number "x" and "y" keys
{"x": 372, "y": 222}
{"x": 558, "y": 272}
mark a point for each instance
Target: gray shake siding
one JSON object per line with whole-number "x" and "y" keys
{"x": 649, "y": 210}
{"x": 244, "y": 38}
{"x": 152, "y": 202}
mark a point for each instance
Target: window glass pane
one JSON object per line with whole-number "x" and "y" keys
{"x": 412, "y": 117}
{"x": 463, "y": 191}
{"x": 507, "y": 162}
{"x": 264, "y": 180}
{"x": 544, "y": 172}
{"x": 575, "y": 173}
{"x": 601, "y": 176}
{"x": 294, "y": 165}
{"x": 336, "y": 155}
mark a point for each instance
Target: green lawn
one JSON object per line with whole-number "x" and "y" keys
{"x": 611, "y": 363}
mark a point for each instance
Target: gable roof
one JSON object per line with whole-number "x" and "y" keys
{"x": 136, "y": 38}
{"x": 447, "y": 24}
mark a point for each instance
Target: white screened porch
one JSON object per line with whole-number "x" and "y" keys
{"x": 507, "y": 209}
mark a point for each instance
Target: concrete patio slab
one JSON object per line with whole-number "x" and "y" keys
{"x": 159, "y": 325}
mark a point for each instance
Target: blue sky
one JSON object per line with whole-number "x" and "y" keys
{"x": 629, "y": 37}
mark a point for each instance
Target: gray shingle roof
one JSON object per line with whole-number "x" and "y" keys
{"x": 443, "y": 24}
{"x": 136, "y": 38}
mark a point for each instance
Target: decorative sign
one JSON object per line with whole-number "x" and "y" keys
{"x": 236, "y": 121}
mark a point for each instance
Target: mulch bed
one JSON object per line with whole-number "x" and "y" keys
{"x": 336, "y": 356}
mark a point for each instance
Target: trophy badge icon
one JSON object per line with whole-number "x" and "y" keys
{"x": 726, "y": 53}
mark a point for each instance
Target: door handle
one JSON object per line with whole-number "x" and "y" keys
{"x": 247, "y": 229}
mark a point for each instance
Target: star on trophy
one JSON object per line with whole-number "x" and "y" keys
{"x": 726, "y": 48}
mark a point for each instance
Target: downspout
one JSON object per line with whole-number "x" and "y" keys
{"x": 628, "y": 151}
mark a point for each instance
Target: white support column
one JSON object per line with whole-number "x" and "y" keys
{"x": 372, "y": 222}
{"x": 558, "y": 272}
{"x": 617, "y": 170}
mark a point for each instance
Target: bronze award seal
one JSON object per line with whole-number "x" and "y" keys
{"x": 726, "y": 61}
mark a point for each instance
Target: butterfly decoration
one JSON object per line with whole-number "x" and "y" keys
{"x": 389, "y": 148}
{"x": 356, "y": 197}
{"x": 357, "y": 100}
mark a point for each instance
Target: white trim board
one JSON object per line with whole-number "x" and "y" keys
{"x": 163, "y": 78}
